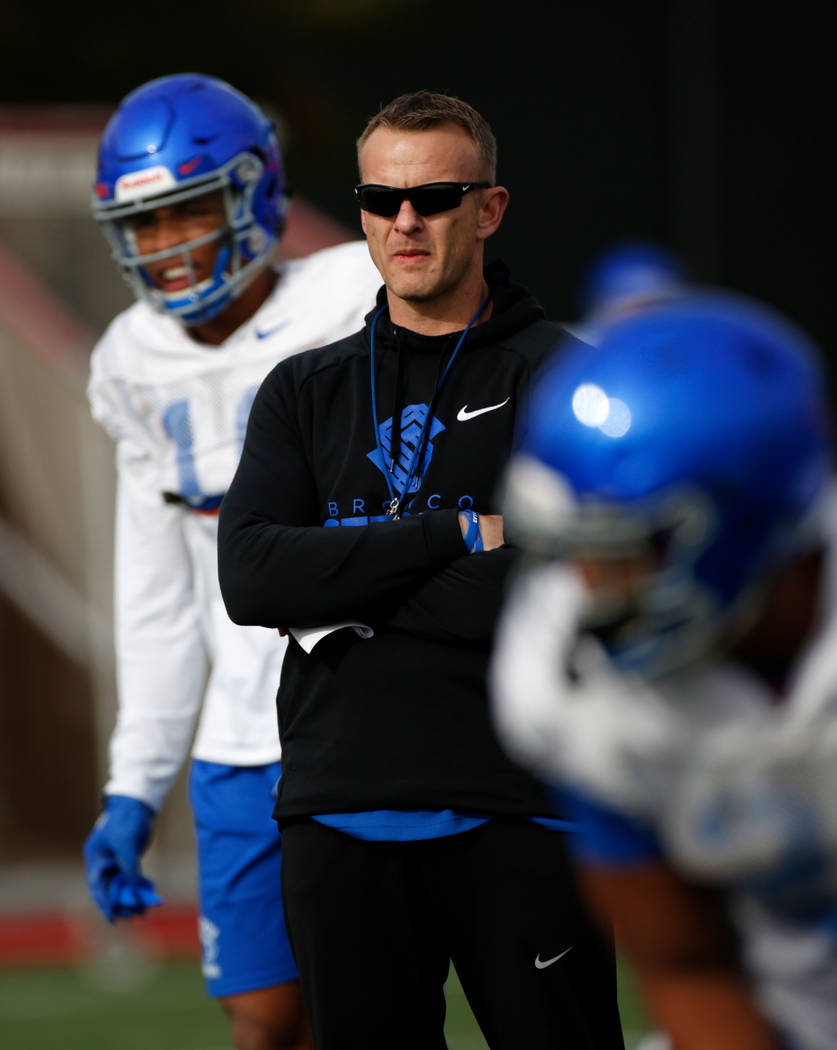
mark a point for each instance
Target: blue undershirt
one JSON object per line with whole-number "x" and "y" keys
{"x": 412, "y": 825}
{"x": 603, "y": 835}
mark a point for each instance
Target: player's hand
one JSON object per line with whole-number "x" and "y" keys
{"x": 112, "y": 854}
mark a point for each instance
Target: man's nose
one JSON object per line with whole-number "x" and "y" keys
{"x": 407, "y": 218}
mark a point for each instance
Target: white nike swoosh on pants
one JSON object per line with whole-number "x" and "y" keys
{"x": 541, "y": 964}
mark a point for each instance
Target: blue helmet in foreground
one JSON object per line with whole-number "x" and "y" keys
{"x": 687, "y": 457}
{"x": 176, "y": 138}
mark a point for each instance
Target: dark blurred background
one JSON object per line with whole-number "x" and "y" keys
{"x": 702, "y": 124}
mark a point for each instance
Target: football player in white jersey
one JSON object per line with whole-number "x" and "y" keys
{"x": 190, "y": 193}
{"x": 668, "y": 656}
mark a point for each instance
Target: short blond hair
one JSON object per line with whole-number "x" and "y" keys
{"x": 422, "y": 110}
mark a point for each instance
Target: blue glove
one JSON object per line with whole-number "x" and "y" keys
{"x": 112, "y": 853}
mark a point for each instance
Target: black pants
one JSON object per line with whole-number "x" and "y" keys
{"x": 374, "y": 925}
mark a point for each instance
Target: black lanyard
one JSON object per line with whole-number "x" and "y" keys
{"x": 396, "y": 502}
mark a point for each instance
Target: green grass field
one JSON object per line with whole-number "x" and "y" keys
{"x": 131, "y": 1004}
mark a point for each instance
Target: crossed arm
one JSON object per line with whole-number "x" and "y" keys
{"x": 277, "y": 569}
{"x": 462, "y": 601}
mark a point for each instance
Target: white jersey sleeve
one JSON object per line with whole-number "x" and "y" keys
{"x": 162, "y": 661}
{"x": 559, "y": 708}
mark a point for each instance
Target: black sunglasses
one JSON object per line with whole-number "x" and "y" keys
{"x": 428, "y": 199}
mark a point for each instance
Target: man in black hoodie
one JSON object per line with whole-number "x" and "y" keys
{"x": 362, "y": 520}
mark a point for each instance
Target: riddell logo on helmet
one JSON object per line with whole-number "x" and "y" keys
{"x": 139, "y": 183}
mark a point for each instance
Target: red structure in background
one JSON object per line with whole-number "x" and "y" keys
{"x": 54, "y": 938}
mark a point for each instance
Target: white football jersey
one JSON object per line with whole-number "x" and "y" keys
{"x": 178, "y": 412}
{"x": 739, "y": 788}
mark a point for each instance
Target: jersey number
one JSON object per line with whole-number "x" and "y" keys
{"x": 177, "y": 422}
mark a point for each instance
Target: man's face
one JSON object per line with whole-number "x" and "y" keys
{"x": 424, "y": 258}
{"x": 167, "y": 227}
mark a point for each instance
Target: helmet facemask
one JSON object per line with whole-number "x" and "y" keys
{"x": 647, "y": 602}
{"x": 245, "y": 247}
{"x": 666, "y": 576}
{"x": 644, "y": 599}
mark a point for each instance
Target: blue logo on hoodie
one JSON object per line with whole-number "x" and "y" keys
{"x": 412, "y": 421}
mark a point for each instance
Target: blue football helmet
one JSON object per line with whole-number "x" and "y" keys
{"x": 176, "y": 138}
{"x": 629, "y": 276}
{"x": 690, "y": 446}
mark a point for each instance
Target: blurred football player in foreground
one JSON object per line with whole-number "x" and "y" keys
{"x": 191, "y": 194}
{"x": 668, "y": 659}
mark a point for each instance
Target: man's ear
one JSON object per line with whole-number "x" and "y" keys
{"x": 363, "y": 221}
{"x": 491, "y": 211}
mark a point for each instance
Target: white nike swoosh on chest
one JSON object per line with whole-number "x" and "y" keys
{"x": 463, "y": 414}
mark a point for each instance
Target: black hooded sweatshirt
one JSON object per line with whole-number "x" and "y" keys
{"x": 399, "y": 720}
